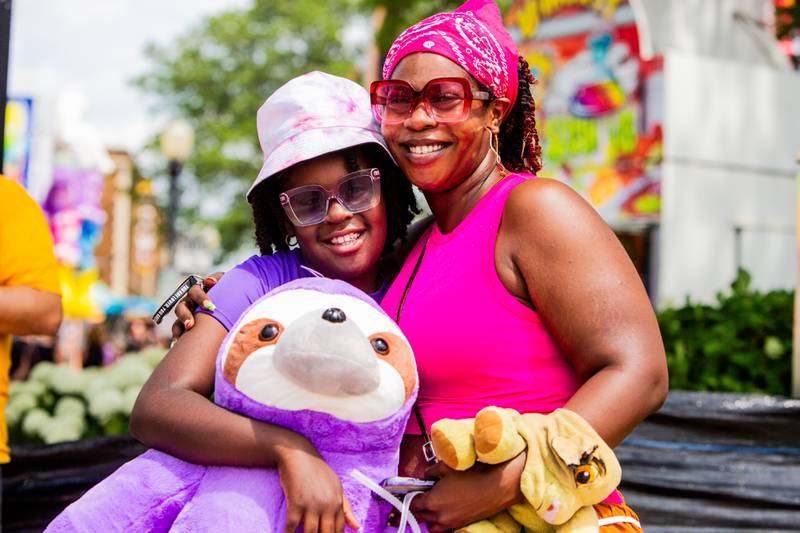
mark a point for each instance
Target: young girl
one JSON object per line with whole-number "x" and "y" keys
{"x": 329, "y": 187}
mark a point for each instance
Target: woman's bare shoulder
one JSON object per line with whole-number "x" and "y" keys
{"x": 547, "y": 208}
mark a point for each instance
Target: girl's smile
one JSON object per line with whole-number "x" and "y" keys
{"x": 346, "y": 242}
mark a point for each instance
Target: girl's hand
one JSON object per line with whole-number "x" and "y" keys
{"x": 196, "y": 297}
{"x": 461, "y": 498}
{"x": 314, "y": 495}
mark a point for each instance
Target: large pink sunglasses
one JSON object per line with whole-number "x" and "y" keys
{"x": 446, "y": 100}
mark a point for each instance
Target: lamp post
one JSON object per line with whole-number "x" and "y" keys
{"x": 176, "y": 144}
{"x": 796, "y": 328}
{"x": 5, "y": 38}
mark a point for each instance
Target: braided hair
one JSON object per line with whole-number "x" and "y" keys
{"x": 520, "y": 150}
{"x": 401, "y": 204}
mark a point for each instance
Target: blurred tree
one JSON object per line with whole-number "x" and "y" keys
{"x": 403, "y": 13}
{"x": 219, "y": 73}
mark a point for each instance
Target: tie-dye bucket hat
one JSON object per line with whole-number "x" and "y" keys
{"x": 312, "y": 115}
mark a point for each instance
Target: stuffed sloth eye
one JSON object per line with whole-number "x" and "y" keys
{"x": 380, "y": 345}
{"x": 585, "y": 474}
{"x": 268, "y": 332}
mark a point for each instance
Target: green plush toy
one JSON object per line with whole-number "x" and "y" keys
{"x": 569, "y": 468}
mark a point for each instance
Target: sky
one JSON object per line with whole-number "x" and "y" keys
{"x": 97, "y": 48}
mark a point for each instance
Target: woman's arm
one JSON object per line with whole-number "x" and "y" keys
{"x": 591, "y": 299}
{"x": 173, "y": 414}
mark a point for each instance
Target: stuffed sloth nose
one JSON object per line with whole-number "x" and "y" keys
{"x": 327, "y": 354}
{"x": 335, "y": 315}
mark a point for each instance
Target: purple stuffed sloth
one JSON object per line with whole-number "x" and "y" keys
{"x": 316, "y": 356}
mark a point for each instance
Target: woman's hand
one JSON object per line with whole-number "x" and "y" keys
{"x": 196, "y": 297}
{"x": 314, "y": 495}
{"x": 461, "y": 498}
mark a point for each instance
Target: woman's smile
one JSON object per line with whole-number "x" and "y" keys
{"x": 423, "y": 152}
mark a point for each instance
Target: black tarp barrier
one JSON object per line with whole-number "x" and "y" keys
{"x": 705, "y": 462}
{"x": 716, "y": 462}
{"x": 40, "y": 481}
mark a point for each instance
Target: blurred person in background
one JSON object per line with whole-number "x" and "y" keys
{"x": 30, "y": 299}
{"x": 100, "y": 351}
{"x": 141, "y": 335}
{"x": 27, "y": 351}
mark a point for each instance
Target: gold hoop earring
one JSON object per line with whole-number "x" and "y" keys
{"x": 288, "y": 240}
{"x": 494, "y": 146}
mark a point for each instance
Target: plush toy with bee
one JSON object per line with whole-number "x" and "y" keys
{"x": 568, "y": 469}
{"x": 316, "y": 356}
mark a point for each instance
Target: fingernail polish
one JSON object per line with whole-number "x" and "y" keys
{"x": 187, "y": 323}
{"x": 208, "y": 306}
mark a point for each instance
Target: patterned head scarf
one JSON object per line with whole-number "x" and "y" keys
{"x": 472, "y": 36}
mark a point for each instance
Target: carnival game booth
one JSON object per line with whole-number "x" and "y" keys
{"x": 679, "y": 122}
{"x": 600, "y": 114}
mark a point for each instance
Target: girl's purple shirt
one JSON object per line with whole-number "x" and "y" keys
{"x": 248, "y": 281}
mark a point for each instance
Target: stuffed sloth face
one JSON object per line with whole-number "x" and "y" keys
{"x": 302, "y": 349}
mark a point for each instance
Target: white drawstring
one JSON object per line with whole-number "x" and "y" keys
{"x": 406, "y": 516}
{"x": 623, "y": 519}
{"x": 312, "y": 271}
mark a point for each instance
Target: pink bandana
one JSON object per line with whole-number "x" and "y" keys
{"x": 472, "y": 36}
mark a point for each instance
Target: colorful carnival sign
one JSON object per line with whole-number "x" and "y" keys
{"x": 18, "y": 139}
{"x": 599, "y": 135}
{"x": 528, "y": 14}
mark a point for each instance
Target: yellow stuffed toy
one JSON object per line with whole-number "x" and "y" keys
{"x": 569, "y": 468}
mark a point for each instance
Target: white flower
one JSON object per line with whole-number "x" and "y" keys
{"x": 67, "y": 380}
{"x": 129, "y": 371}
{"x": 97, "y": 383}
{"x": 41, "y": 372}
{"x": 62, "y": 429}
{"x": 104, "y": 404}
{"x": 69, "y": 405}
{"x": 34, "y": 420}
{"x": 129, "y": 396}
{"x": 26, "y": 387}
{"x": 18, "y": 405}
{"x": 153, "y": 356}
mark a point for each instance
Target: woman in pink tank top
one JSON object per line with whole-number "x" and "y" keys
{"x": 519, "y": 295}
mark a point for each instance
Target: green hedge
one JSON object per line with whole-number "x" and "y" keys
{"x": 743, "y": 343}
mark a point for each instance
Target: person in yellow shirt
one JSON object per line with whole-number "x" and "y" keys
{"x": 30, "y": 300}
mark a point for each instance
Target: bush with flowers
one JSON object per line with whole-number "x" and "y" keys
{"x": 58, "y": 403}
